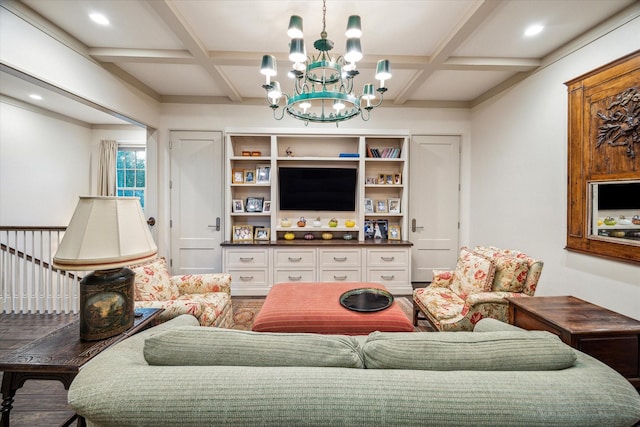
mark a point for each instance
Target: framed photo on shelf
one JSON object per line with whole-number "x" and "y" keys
{"x": 376, "y": 228}
{"x": 397, "y": 179}
{"x": 242, "y": 233}
{"x": 394, "y": 206}
{"x": 388, "y": 179}
{"x": 371, "y": 180}
{"x": 381, "y": 178}
{"x": 262, "y": 233}
{"x": 381, "y": 206}
{"x": 266, "y": 207}
{"x": 250, "y": 176}
{"x": 263, "y": 174}
{"x": 238, "y": 205}
{"x": 368, "y": 205}
{"x": 237, "y": 176}
{"x": 394, "y": 232}
{"x": 254, "y": 204}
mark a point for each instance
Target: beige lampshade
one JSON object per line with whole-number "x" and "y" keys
{"x": 105, "y": 233}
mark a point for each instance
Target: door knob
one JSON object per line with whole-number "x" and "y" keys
{"x": 151, "y": 221}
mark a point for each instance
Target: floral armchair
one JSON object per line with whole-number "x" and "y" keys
{"x": 205, "y": 296}
{"x": 457, "y": 300}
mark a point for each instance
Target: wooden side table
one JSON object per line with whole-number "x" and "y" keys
{"x": 604, "y": 334}
{"x": 58, "y": 356}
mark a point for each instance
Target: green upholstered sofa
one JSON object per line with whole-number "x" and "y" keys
{"x": 179, "y": 373}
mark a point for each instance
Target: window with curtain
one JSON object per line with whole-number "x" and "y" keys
{"x": 131, "y": 172}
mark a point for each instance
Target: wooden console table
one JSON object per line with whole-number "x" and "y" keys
{"x": 604, "y": 334}
{"x": 58, "y": 356}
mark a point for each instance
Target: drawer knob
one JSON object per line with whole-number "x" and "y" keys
{"x": 246, "y": 259}
{"x": 295, "y": 259}
{"x": 339, "y": 259}
{"x": 339, "y": 277}
{"x": 246, "y": 278}
{"x": 387, "y": 258}
{"x": 388, "y": 277}
{"x": 295, "y": 277}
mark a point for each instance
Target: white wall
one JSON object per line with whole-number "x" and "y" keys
{"x": 223, "y": 117}
{"x": 519, "y": 179}
{"x": 44, "y": 167}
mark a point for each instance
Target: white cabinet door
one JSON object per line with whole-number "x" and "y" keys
{"x": 434, "y": 204}
{"x": 196, "y": 202}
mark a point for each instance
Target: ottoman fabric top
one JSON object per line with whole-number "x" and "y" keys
{"x": 315, "y": 308}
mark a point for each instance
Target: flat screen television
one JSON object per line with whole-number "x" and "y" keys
{"x": 619, "y": 196}
{"x": 317, "y": 189}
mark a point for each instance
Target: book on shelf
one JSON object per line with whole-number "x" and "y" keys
{"x": 383, "y": 152}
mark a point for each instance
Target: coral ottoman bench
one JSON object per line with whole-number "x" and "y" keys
{"x": 316, "y": 308}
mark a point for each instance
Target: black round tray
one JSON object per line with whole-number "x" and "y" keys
{"x": 366, "y": 299}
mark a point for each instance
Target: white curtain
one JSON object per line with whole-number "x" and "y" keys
{"x": 107, "y": 168}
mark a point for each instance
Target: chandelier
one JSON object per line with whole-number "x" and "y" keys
{"x": 323, "y": 90}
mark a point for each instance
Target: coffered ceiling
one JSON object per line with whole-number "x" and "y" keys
{"x": 444, "y": 53}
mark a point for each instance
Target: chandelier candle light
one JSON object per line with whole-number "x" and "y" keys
{"x": 323, "y": 90}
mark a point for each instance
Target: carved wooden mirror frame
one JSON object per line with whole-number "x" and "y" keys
{"x": 603, "y": 146}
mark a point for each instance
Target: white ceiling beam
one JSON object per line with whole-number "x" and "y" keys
{"x": 167, "y": 11}
{"x": 476, "y": 15}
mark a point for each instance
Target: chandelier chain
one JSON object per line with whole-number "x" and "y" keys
{"x": 323, "y": 34}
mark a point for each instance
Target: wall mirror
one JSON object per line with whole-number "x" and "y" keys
{"x": 614, "y": 209}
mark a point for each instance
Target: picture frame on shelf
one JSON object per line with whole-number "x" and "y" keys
{"x": 388, "y": 179}
{"x": 254, "y": 204}
{"x": 381, "y": 178}
{"x": 376, "y": 228}
{"x": 263, "y": 174}
{"x": 237, "y": 176}
{"x": 371, "y": 180}
{"x": 394, "y": 205}
{"x": 381, "y": 206}
{"x": 368, "y": 205}
{"x": 262, "y": 233}
{"x": 237, "y": 205}
{"x": 394, "y": 232}
{"x": 266, "y": 206}
{"x": 242, "y": 233}
{"x": 397, "y": 179}
{"x": 250, "y": 176}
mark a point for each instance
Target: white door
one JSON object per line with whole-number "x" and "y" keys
{"x": 434, "y": 200}
{"x": 196, "y": 202}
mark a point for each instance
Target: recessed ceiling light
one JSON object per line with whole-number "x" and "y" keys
{"x": 35, "y": 96}
{"x": 533, "y": 30}
{"x": 99, "y": 18}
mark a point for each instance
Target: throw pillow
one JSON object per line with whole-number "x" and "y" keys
{"x": 474, "y": 273}
{"x": 511, "y": 270}
{"x": 152, "y": 282}
{"x": 472, "y": 351}
{"x": 204, "y": 346}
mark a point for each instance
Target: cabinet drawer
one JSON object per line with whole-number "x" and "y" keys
{"x": 247, "y": 258}
{"x": 388, "y": 276}
{"x": 307, "y": 275}
{"x": 387, "y": 257}
{"x": 248, "y": 277}
{"x": 340, "y": 276}
{"x": 295, "y": 258}
{"x": 339, "y": 258}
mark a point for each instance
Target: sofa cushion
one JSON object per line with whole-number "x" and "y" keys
{"x": 152, "y": 282}
{"x": 474, "y": 273}
{"x": 442, "y": 303}
{"x": 511, "y": 270}
{"x": 203, "y": 346}
{"x": 473, "y": 351}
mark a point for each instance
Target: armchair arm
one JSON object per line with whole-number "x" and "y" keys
{"x": 441, "y": 279}
{"x": 491, "y": 297}
{"x": 202, "y": 283}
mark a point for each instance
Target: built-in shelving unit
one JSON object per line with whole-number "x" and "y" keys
{"x": 381, "y": 186}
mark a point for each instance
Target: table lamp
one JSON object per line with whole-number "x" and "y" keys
{"x": 105, "y": 234}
